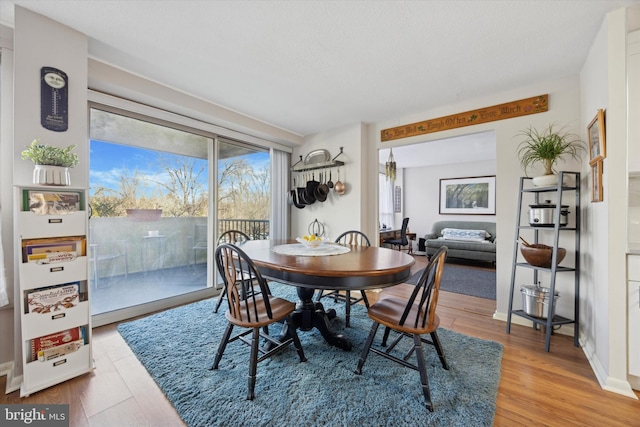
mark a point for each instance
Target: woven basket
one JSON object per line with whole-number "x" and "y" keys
{"x": 539, "y": 255}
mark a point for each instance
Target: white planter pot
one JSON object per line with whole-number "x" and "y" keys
{"x": 552, "y": 180}
{"x": 545, "y": 180}
{"x": 51, "y": 175}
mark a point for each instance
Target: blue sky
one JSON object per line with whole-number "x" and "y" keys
{"x": 108, "y": 162}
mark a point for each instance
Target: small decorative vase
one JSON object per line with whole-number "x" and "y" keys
{"x": 51, "y": 175}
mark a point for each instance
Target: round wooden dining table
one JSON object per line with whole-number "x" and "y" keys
{"x": 361, "y": 268}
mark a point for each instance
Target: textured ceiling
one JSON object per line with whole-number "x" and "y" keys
{"x": 309, "y": 66}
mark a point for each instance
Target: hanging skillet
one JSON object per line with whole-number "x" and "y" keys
{"x": 322, "y": 191}
{"x": 293, "y": 198}
{"x": 309, "y": 194}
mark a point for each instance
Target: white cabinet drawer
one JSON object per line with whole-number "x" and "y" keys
{"x": 41, "y": 226}
{"x": 633, "y": 326}
{"x": 633, "y": 267}
{"x": 33, "y": 275}
{"x": 40, "y": 324}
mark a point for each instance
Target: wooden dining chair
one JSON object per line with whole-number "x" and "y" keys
{"x": 233, "y": 237}
{"x": 403, "y": 240}
{"x": 254, "y": 311}
{"x": 409, "y": 310}
{"x": 348, "y": 238}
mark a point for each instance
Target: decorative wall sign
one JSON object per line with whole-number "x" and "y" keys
{"x": 54, "y": 99}
{"x": 522, "y": 107}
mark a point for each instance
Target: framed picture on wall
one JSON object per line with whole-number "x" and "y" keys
{"x": 597, "y": 143}
{"x": 397, "y": 199}
{"x": 468, "y": 196}
{"x": 596, "y": 181}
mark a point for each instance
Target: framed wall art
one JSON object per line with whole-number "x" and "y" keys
{"x": 596, "y": 181}
{"x": 468, "y": 196}
{"x": 397, "y": 199}
{"x": 597, "y": 143}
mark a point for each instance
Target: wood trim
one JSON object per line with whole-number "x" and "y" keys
{"x": 522, "y": 107}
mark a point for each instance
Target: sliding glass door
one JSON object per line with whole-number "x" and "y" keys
{"x": 149, "y": 199}
{"x": 243, "y": 188}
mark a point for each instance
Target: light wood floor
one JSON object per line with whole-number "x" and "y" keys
{"x": 536, "y": 388}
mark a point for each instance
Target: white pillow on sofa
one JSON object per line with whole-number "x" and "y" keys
{"x": 463, "y": 234}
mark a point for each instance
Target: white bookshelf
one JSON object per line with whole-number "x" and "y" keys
{"x": 68, "y": 327}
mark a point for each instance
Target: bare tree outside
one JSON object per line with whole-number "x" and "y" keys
{"x": 179, "y": 190}
{"x": 242, "y": 191}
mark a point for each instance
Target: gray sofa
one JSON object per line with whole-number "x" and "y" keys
{"x": 472, "y": 250}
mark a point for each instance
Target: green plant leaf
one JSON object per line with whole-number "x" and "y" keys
{"x": 547, "y": 147}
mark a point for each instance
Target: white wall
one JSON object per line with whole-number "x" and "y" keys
{"x": 6, "y": 196}
{"x": 339, "y": 212}
{"x": 603, "y": 275}
{"x": 32, "y": 51}
{"x": 421, "y": 193}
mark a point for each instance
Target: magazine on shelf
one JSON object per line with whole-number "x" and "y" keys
{"x": 53, "y": 298}
{"x": 43, "y": 202}
{"x": 38, "y": 345}
{"x": 54, "y": 249}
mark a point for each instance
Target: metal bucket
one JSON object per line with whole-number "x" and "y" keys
{"x": 535, "y": 301}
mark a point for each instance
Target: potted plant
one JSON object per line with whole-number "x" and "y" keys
{"x": 547, "y": 147}
{"x": 51, "y": 163}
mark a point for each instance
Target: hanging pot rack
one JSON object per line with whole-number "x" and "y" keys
{"x": 301, "y": 166}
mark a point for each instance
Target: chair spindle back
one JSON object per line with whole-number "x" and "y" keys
{"x": 237, "y": 268}
{"x": 425, "y": 294}
{"x": 233, "y": 236}
{"x": 353, "y": 238}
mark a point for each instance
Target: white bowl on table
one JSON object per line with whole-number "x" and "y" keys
{"x": 310, "y": 243}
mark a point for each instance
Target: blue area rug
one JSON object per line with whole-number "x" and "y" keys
{"x": 177, "y": 347}
{"x": 465, "y": 280}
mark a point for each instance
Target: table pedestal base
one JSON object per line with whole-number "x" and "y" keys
{"x": 310, "y": 314}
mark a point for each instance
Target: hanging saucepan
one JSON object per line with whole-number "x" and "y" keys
{"x": 322, "y": 191}
{"x": 339, "y": 186}
{"x": 310, "y": 194}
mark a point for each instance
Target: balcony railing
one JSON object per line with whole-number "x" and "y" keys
{"x": 257, "y": 229}
{"x": 164, "y": 243}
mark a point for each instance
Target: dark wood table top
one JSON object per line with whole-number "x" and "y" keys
{"x": 361, "y": 268}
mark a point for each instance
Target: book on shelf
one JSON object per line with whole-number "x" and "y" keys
{"x": 61, "y": 350}
{"x": 48, "y": 202}
{"x": 53, "y": 298}
{"x": 53, "y": 249}
{"x": 68, "y": 336}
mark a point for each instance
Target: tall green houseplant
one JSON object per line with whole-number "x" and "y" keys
{"x": 547, "y": 147}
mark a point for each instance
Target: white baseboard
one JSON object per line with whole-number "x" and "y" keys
{"x": 613, "y": 385}
{"x": 13, "y": 383}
